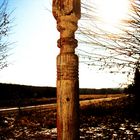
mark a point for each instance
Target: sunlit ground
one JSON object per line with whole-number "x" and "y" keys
{"x": 106, "y": 120}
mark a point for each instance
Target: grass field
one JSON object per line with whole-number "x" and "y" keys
{"x": 97, "y": 96}
{"x": 106, "y": 119}
{"x": 46, "y": 100}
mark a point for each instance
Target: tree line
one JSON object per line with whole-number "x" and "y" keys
{"x": 15, "y": 91}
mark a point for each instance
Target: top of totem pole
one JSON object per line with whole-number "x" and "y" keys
{"x": 66, "y": 7}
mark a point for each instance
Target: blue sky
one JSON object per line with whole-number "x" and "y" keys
{"x": 33, "y": 59}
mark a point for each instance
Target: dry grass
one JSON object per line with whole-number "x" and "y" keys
{"x": 97, "y": 96}
{"x": 31, "y": 125}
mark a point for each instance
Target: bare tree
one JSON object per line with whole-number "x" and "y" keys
{"x": 116, "y": 50}
{"x": 4, "y": 30}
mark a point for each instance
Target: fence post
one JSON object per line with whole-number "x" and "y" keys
{"x": 67, "y": 14}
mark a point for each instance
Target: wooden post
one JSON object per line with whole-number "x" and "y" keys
{"x": 67, "y": 14}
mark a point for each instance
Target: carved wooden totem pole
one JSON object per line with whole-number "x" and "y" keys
{"x": 67, "y": 14}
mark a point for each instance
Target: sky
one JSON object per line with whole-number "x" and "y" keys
{"x": 33, "y": 55}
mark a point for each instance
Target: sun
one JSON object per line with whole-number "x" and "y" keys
{"x": 112, "y": 11}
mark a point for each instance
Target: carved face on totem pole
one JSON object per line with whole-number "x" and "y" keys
{"x": 66, "y": 7}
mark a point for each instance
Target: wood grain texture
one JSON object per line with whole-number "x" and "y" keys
{"x": 67, "y": 14}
